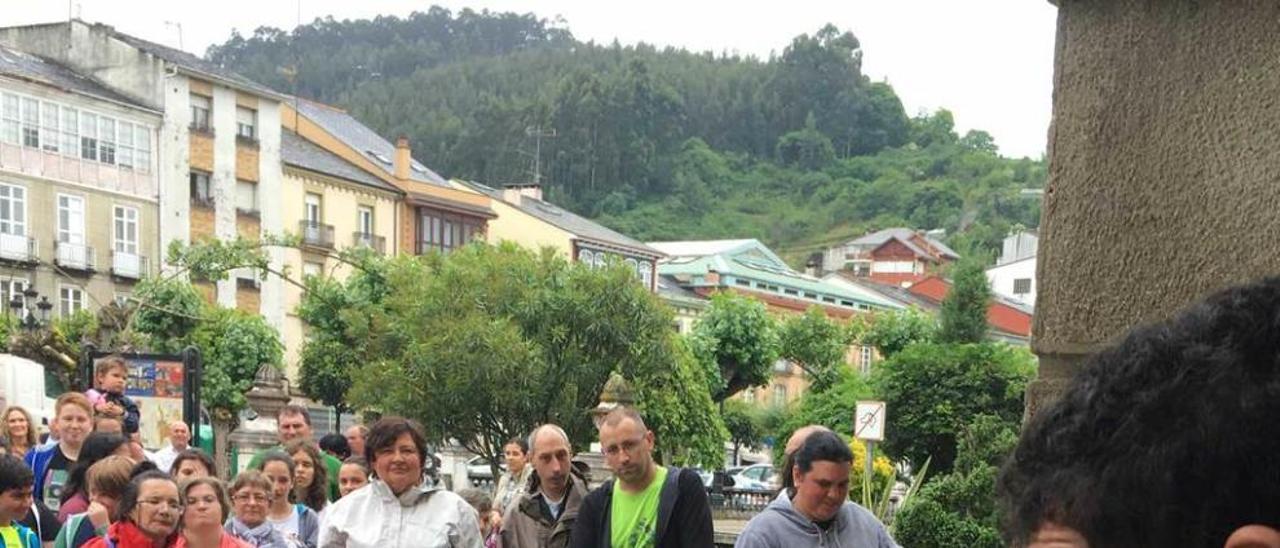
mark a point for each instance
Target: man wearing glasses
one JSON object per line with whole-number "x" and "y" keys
{"x": 646, "y": 506}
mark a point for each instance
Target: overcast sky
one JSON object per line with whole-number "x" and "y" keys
{"x": 988, "y": 61}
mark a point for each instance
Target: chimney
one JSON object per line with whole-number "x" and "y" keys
{"x": 403, "y": 158}
{"x": 513, "y": 193}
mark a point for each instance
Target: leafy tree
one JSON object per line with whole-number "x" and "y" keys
{"x": 169, "y": 310}
{"x": 743, "y": 422}
{"x": 833, "y": 408}
{"x": 805, "y": 148}
{"x": 933, "y": 390}
{"x": 740, "y": 338}
{"x": 959, "y": 509}
{"x": 891, "y": 332}
{"x": 816, "y": 344}
{"x": 964, "y": 310}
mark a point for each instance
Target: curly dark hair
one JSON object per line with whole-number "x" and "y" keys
{"x": 1169, "y": 438}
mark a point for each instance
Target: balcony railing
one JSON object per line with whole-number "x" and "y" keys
{"x": 316, "y": 234}
{"x": 128, "y": 265}
{"x": 75, "y": 256}
{"x": 371, "y": 241}
{"x": 18, "y": 248}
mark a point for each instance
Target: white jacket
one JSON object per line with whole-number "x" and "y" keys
{"x": 421, "y": 517}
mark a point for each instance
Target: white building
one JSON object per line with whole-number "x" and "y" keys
{"x": 1014, "y": 275}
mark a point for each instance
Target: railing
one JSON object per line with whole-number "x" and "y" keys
{"x": 316, "y": 234}
{"x": 371, "y": 241}
{"x": 733, "y": 503}
{"x": 18, "y": 248}
{"x": 128, "y": 265}
{"x": 74, "y": 256}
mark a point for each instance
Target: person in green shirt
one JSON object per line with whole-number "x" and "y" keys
{"x": 294, "y": 422}
{"x": 647, "y": 505}
{"x": 16, "y": 482}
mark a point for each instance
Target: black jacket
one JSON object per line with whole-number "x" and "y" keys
{"x": 684, "y": 515}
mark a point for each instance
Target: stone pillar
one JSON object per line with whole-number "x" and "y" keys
{"x": 266, "y": 398}
{"x": 1164, "y": 169}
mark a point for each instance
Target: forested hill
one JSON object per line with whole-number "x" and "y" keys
{"x": 800, "y": 150}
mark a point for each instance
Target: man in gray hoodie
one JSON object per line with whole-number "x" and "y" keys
{"x": 817, "y": 511}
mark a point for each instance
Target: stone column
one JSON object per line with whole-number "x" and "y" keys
{"x": 266, "y": 398}
{"x": 1164, "y": 169}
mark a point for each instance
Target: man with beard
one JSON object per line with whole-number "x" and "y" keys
{"x": 646, "y": 506}
{"x": 543, "y": 515}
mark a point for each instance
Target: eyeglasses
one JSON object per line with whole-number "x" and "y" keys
{"x": 251, "y": 498}
{"x": 160, "y": 504}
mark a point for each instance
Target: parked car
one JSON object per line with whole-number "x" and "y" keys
{"x": 478, "y": 468}
{"x": 757, "y": 476}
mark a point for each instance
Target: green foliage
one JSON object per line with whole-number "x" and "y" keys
{"x": 466, "y": 86}
{"x": 740, "y": 338}
{"x": 959, "y": 509}
{"x": 963, "y": 316}
{"x": 833, "y": 408}
{"x": 889, "y": 333}
{"x": 338, "y": 315}
{"x": 505, "y": 339}
{"x": 816, "y": 344}
{"x": 744, "y": 423}
{"x": 169, "y": 310}
{"x": 933, "y": 390}
{"x": 233, "y": 346}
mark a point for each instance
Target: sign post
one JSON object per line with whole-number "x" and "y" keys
{"x": 868, "y": 426}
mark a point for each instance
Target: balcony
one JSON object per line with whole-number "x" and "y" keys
{"x": 371, "y": 241}
{"x": 21, "y": 249}
{"x": 316, "y": 234}
{"x": 128, "y": 265}
{"x": 74, "y": 256}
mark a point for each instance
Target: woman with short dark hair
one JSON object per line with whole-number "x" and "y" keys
{"x": 398, "y": 509}
{"x": 147, "y": 515}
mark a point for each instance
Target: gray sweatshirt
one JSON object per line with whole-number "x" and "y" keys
{"x": 781, "y": 526}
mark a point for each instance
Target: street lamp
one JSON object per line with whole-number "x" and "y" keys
{"x": 26, "y": 313}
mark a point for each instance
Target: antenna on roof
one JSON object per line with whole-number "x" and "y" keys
{"x": 538, "y": 133}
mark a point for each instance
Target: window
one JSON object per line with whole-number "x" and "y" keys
{"x": 11, "y": 287}
{"x": 1022, "y": 286}
{"x": 312, "y": 210}
{"x": 791, "y": 292}
{"x": 749, "y": 395}
{"x": 142, "y": 148}
{"x": 364, "y": 220}
{"x": 70, "y": 219}
{"x": 124, "y": 146}
{"x": 106, "y": 140}
{"x": 646, "y": 273}
{"x": 200, "y": 107}
{"x": 49, "y": 127}
{"x": 13, "y": 210}
{"x": 9, "y": 119}
{"x": 126, "y": 230}
{"x": 70, "y": 132}
{"x": 246, "y": 197}
{"x": 311, "y": 269}
{"x": 602, "y": 260}
{"x": 71, "y": 300}
{"x": 88, "y": 136}
{"x": 201, "y": 192}
{"x": 864, "y": 359}
{"x": 121, "y": 300}
{"x": 779, "y": 394}
{"x": 586, "y": 257}
{"x": 893, "y": 267}
{"x": 445, "y": 231}
{"x": 30, "y": 123}
{"x": 246, "y": 123}
{"x": 781, "y": 366}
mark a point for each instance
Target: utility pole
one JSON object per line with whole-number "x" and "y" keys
{"x": 538, "y": 133}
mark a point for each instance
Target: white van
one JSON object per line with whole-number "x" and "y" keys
{"x": 22, "y": 383}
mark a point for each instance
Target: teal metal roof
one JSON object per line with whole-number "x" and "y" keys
{"x": 761, "y": 276}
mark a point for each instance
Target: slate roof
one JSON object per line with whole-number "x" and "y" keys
{"x": 364, "y": 140}
{"x": 196, "y": 64}
{"x": 568, "y": 220}
{"x": 43, "y": 71}
{"x": 903, "y": 235}
{"x": 299, "y": 152}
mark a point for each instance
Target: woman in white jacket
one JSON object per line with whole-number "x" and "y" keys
{"x": 398, "y": 509}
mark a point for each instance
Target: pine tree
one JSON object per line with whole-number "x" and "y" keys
{"x": 964, "y": 310}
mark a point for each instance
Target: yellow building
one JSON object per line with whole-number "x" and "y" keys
{"x": 332, "y": 204}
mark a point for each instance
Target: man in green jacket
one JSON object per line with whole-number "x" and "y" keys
{"x": 294, "y": 422}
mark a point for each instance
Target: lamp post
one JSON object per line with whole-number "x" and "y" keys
{"x": 25, "y": 308}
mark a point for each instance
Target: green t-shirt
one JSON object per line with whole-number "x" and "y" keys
{"x": 634, "y": 517}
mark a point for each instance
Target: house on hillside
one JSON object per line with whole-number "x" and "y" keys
{"x": 1014, "y": 274}
{"x": 525, "y": 218}
{"x": 748, "y": 267}
{"x": 898, "y": 256}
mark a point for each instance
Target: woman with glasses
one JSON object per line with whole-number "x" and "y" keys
{"x": 147, "y": 515}
{"x": 250, "y": 499}
{"x": 207, "y": 508}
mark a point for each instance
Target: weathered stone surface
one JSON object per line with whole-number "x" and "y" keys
{"x": 1164, "y": 167}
